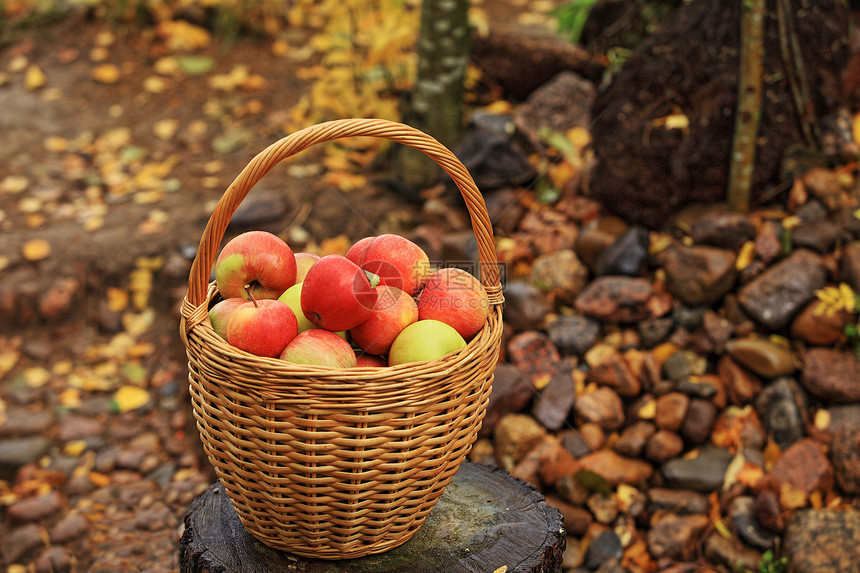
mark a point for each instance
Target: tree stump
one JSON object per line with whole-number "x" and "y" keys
{"x": 485, "y": 521}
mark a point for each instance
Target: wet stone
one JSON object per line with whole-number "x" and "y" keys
{"x": 25, "y": 422}
{"x": 701, "y": 414}
{"x": 617, "y": 469}
{"x": 533, "y": 354}
{"x": 676, "y": 536}
{"x": 653, "y": 331}
{"x": 17, "y": 452}
{"x": 677, "y": 501}
{"x": 671, "y": 410}
{"x": 683, "y": 364}
{"x": 731, "y": 553}
{"x": 663, "y": 445}
{"x": 560, "y": 274}
{"x": 258, "y": 209}
{"x": 511, "y": 393}
{"x": 614, "y": 372}
{"x": 573, "y": 334}
{"x": 817, "y": 327}
{"x": 36, "y": 508}
{"x": 849, "y": 268}
{"x": 703, "y": 472}
{"x": 722, "y": 229}
{"x": 555, "y": 400}
{"x": 741, "y": 386}
{"x": 576, "y": 518}
{"x": 819, "y": 236}
{"x": 602, "y": 407}
{"x": 698, "y": 275}
{"x": 54, "y": 560}
{"x": 746, "y": 525}
{"x": 627, "y": 255}
{"x": 780, "y": 292}
{"x": 526, "y": 307}
{"x": 622, "y": 300}
{"x": 781, "y": 406}
{"x": 805, "y": 466}
{"x": 514, "y": 436}
{"x": 762, "y": 356}
{"x": 75, "y": 427}
{"x": 603, "y": 507}
{"x": 602, "y": 548}
{"x": 68, "y": 528}
{"x": 823, "y": 540}
{"x": 845, "y": 454}
{"x": 632, "y": 440}
{"x": 573, "y": 442}
{"x": 20, "y": 541}
{"x": 831, "y": 375}
{"x": 697, "y": 387}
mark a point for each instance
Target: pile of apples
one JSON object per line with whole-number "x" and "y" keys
{"x": 380, "y": 304}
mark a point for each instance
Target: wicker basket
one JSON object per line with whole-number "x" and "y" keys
{"x": 336, "y": 463}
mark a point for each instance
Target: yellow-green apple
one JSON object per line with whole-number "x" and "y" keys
{"x": 256, "y": 258}
{"x": 356, "y": 251}
{"x": 292, "y": 298}
{"x": 319, "y": 347}
{"x": 304, "y": 261}
{"x": 457, "y": 298}
{"x": 424, "y": 340}
{"x": 337, "y": 294}
{"x": 365, "y": 359}
{"x": 394, "y": 311}
{"x": 397, "y": 261}
{"x": 220, "y": 313}
{"x": 263, "y": 327}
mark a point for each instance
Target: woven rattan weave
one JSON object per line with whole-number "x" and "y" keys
{"x": 336, "y": 463}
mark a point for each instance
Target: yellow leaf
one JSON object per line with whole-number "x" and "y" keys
{"x": 855, "y": 124}
{"x": 165, "y": 129}
{"x": 70, "y": 398}
{"x": 99, "y": 479}
{"x": 154, "y": 84}
{"x": 55, "y": 143}
{"x": 14, "y": 184}
{"x": 502, "y": 569}
{"x": 75, "y": 448}
{"x": 128, "y": 398}
{"x": 745, "y": 256}
{"x": 106, "y": 74}
{"x": 117, "y": 299}
{"x": 791, "y": 497}
{"x": 822, "y": 419}
{"x": 138, "y": 323}
{"x": 34, "y": 78}
{"x": 648, "y": 410}
{"x": 36, "y": 376}
{"x": 36, "y": 249}
{"x": 181, "y": 35}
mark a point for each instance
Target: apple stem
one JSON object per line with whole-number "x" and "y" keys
{"x": 373, "y": 278}
{"x": 251, "y": 295}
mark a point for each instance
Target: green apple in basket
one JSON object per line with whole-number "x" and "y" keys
{"x": 424, "y": 340}
{"x": 259, "y": 259}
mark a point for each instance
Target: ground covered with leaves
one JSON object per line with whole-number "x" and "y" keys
{"x": 687, "y": 398}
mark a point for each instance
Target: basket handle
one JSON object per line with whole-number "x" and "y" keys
{"x": 264, "y": 161}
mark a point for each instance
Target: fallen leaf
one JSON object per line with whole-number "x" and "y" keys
{"x": 36, "y": 249}
{"x": 14, "y": 184}
{"x": 75, "y": 448}
{"x": 128, "y": 398}
{"x": 154, "y": 84}
{"x": 194, "y": 65}
{"x": 165, "y": 129}
{"x": 106, "y": 74}
{"x": 35, "y": 78}
{"x": 36, "y": 376}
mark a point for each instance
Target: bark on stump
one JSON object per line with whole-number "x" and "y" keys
{"x": 485, "y": 520}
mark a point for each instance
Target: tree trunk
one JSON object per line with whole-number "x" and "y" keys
{"x": 436, "y": 105}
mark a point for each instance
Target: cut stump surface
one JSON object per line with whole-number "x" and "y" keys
{"x": 485, "y": 521}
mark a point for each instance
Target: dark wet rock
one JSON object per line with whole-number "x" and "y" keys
{"x": 704, "y": 472}
{"x": 17, "y": 452}
{"x": 617, "y": 469}
{"x": 849, "y": 266}
{"x": 819, "y": 540}
{"x": 54, "y": 560}
{"x": 731, "y": 553}
{"x": 845, "y": 454}
{"x": 683, "y": 364}
{"x": 632, "y": 440}
{"x": 559, "y": 274}
{"x": 831, "y": 375}
{"x": 746, "y": 525}
{"x": 532, "y": 353}
{"x": 77, "y": 427}
{"x": 22, "y": 540}
{"x": 36, "y": 508}
{"x": 781, "y": 406}
{"x": 768, "y": 512}
{"x": 677, "y": 501}
{"x": 602, "y": 548}
{"x": 699, "y": 420}
{"x": 573, "y": 441}
{"x": 698, "y": 275}
{"x": 671, "y": 410}
{"x": 718, "y": 330}
{"x": 622, "y": 299}
{"x": 264, "y": 206}
{"x": 602, "y": 407}
{"x": 741, "y": 386}
{"x": 595, "y": 237}
{"x": 69, "y": 527}
{"x": 511, "y": 393}
{"x": 505, "y": 209}
{"x": 663, "y": 445}
{"x": 697, "y": 387}
{"x": 514, "y": 436}
{"x": 818, "y": 327}
{"x": 526, "y": 307}
{"x": 576, "y": 518}
{"x": 653, "y": 331}
{"x": 762, "y": 356}
{"x": 593, "y": 435}
{"x": 819, "y": 235}
{"x": 561, "y": 103}
{"x": 25, "y": 422}
{"x": 555, "y": 400}
{"x": 603, "y": 507}
{"x": 779, "y": 293}
{"x": 573, "y": 334}
{"x": 627, "y": 255}
{"x": 572, "y": 490}
{"x": 676, "y": 536}
{"x": 805, "y": 466}
{"x": 614, "y": 372}
{"x": 723, "y": 229}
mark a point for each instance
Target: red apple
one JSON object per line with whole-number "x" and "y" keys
{"x": 304, "y": 261}
{"x": 320, "y": 347}
{"x": 397, "y": 261}
{"x": 356, "y": 251}
{"x": 337, "y": 294}
{"x": 424, "y": 340}
{"x": 259, "y": 259}
{"x": 365, "y": 359}
{"x": 262, "y": 327}
{"x": 394, "y": 311}
{"x": 220, "y": 313}
{"x": 455, "y": 297}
